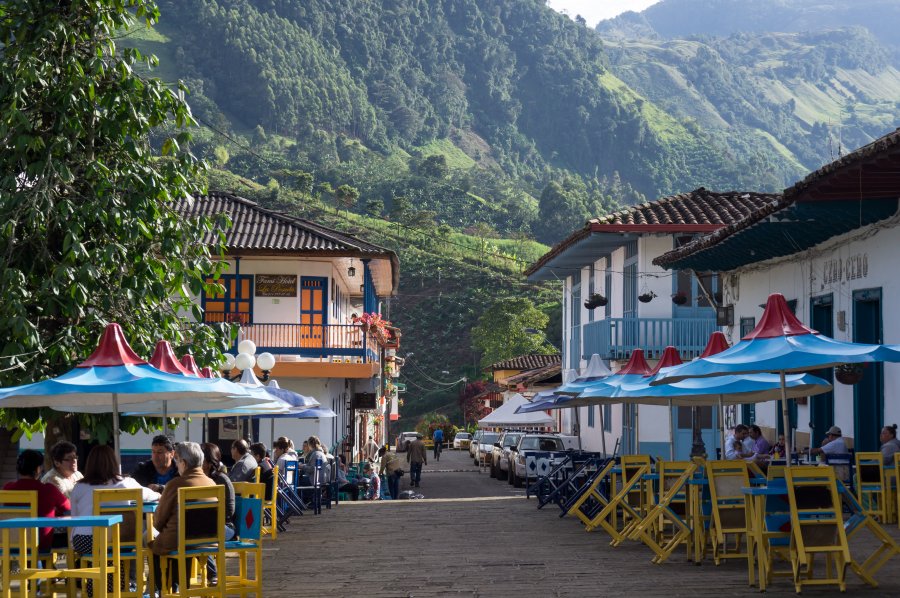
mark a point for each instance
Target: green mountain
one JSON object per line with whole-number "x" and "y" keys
{"x": 795, "y": 95}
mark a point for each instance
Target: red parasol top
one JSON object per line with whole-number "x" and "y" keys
{"x": 636, "y": 365}
{"x": 778, "y": 320}
{"x": 716, "y": 344}
{"x": 113, "y": 350}
{"x": 164, "y": 359}
{"x": 190, "y": 365}
{"x": 669, "y": 358}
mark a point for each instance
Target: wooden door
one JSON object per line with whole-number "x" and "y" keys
{"x": 313, "y": 310}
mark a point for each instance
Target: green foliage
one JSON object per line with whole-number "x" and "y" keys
{"x": 502, "y": 330}
{"x": 431, "y": 422}
{"x": 89, "y": 233}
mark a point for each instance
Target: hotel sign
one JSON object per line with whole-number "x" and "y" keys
{"x": 276, "y": 285}
{"x": 851, "y": 268}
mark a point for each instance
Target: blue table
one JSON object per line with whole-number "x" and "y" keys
{"x": 24, "y": 551}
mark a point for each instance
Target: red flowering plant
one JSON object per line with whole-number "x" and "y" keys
{"x": 373, "y": 322}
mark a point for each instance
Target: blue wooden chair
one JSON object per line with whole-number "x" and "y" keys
{"x": 248, "y": 519}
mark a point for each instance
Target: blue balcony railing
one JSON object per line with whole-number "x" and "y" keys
{"x": 616, "y": 338}
{"x": 306, "y": 340}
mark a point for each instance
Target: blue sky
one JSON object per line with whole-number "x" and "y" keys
{"x": 595, "y": 11}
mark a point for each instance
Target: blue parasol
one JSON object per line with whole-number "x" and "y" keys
{"x": 780, "y": 344}
{"x": 595, "y": 371}
{"x": 112, "y": 376}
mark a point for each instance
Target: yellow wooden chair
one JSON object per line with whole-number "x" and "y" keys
{"x": 627, "y": 498}
{"x": 592, "y": 500}
{"x": 270, "y": 509}
{"x": 664, "y": 527}
{"x": 817, "y": 526}
{"x": 201, "y": 534}
{"x": 14, "y": 504}
{"x": 129, "y": 503}
{"x": 870, "y": 485}
{"x": 729, "y": 516}
{"x": 248, "y": 519}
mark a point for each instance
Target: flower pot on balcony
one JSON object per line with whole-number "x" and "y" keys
{"x": 679, "y": 298}
{"x": 646, "y": 297}
{"x": 849, "y": 374}
{"x": 595, "y": 300}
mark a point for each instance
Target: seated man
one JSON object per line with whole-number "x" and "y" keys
{"x": 244, "y": 468}
{"x": 51, "y": 502}
{"x": 760, "y": 444}
{"x": 734, "y": 443}
{"x": 833, "y": 444}
{"x": 156, "y": 472}
{"x": 374, "y": 490}
{"x": 266, "y": 475}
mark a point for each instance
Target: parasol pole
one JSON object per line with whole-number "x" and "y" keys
{"x": 187, "y": 429}
{"x": 722, "y": 426}
{"x": 115, "y": 414}
{"x": 206, "y": 427}
{"x": 165, "y": 418}
{"x": 786, "y": 419}
{"x": 671, "y": 431}
{"x": 602, "y": 432}
{"x": 272, "y": 432}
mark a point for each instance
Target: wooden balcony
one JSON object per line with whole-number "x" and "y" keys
{"x": 616, "y": 338}
{"x": 335, "y": 343}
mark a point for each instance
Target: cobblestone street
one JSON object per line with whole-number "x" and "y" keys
{"x": 475, "y": 536}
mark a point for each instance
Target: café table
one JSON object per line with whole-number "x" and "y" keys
{"x": 24, "y": 551}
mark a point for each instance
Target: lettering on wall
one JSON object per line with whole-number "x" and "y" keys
{"x": 276, "y": 285}
{"x": 852, "y": 268}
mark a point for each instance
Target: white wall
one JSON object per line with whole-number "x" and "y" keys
{"x": 655, "y": 279}
{"x": 801, "y": 277}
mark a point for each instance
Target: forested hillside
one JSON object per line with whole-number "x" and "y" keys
{"x": 792, "y": 83}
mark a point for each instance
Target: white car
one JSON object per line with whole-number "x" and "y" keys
{"x": 462, "y": 440}
{"x": 404, "y": 439}
{"x": 473, "y": 444}
{"x": 500, "y": 458}
{"x": 485, "y": 447}
{"x": 530, "y": 443}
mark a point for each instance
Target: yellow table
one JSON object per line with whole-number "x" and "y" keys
{"x": 106, "y": 537}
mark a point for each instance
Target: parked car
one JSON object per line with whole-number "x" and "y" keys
{"x": 404, "y": 439}
{"x": 500, "y": 454}
{"x": 473, "y": 444}
{"x": 462, "y": 440}
{"x": 530, "y": 443}
{"x": 485, "y": 447}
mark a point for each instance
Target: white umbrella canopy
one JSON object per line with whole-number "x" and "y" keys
{"x": 506, "y": 415}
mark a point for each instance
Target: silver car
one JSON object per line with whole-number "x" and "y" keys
{"x": 529, "y": 443}
{"x": 485, "y": 448}
{"x": 500, "y": 455}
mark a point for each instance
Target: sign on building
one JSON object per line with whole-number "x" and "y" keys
{"x": 276, "y": 285}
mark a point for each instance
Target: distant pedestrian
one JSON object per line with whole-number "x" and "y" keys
{"x": 390, "y": 466}
{"x": 438, "y": 439}
{"x": 370, "y": 450}
{"x": 416, "y": 456}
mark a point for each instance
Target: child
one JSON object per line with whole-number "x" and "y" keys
{"x": 778, "y": 447}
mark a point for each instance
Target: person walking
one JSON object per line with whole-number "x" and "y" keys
{"x": 416, "y": 456}
{"x": 370, "y": 450}
{"x": 390, "y": 466}
{"x": 438, "y": 439}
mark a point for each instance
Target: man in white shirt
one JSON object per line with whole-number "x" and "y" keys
{"x": 734, "y": 448}
{"x": 370, "y": 450}
{"x": 833, "y": 444}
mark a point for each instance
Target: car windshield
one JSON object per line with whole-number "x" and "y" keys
{"x": 511, "y": 439}
{"x": 490, "y": 438}
{"x": 534, "y": 443}
{"x": 463, "y": 436}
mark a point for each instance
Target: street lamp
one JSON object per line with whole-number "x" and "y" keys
{"x": 247, "y": 360}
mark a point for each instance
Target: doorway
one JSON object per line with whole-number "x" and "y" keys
{"x": 868, "y": 394}
{"x": 313, "y": 310}
{"x": 821, "y": 407}
{"x": 684, "y": 432}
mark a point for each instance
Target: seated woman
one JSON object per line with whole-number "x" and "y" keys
{"x": 101, "y": 472}
{"x": 374, "y": 490}
{"x": 64, "y": 474}
{"x": 51, "y": 502}
{"x": 345, "y": 485}
{"x": 283, "y": 451}
{"x": 189, "y": 460}
{"x": 214, "y": 470}
{"x": 889, "y": 444}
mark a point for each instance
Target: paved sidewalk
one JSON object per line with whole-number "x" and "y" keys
{"x": 475, "y": 536}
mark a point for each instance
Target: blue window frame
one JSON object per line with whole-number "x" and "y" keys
{"x": 591, "y": 412}
{"x": 235, "y": 304}
{"x": 607, "y": 418}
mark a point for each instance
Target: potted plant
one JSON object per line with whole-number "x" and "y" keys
{"x": 849, "y": 373}
{"x": 595, "y": 300}
{"x": 646, "y": 297}
{"x": 679, "y": 298}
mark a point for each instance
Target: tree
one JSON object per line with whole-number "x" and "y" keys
{"x": 375, "y": 208}
{"x": 90, "y": 234}
{"x": 346, "y": 196}
{"x": 472, "y": 408}
{"x": 503, "y": 331}
{"x": 434, "y": 167}
{"x": 560, "y": 211}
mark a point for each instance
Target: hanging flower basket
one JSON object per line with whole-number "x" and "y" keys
{"x": 851, "y": 373}
{"x": 646, "y": 297}
{"x": 679, "y": 298}
{"x": 595, "y": 300}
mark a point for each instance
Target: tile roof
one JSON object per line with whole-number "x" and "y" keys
{"x": 803, "y": 190}
{"x": 527, "y": 362}
{"x": 530, "y": 377}
{"x": 257, "y": 228}
{"x": 700, "y": 210}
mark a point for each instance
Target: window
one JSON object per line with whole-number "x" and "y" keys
{"x": 590, "y": 416}
{"x": 747, "y": 326}
{"x": 607, "y": 418}
{"x": 235, "y": 304}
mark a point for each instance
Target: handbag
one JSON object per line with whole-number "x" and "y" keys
{"x": 400, "y": 473}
